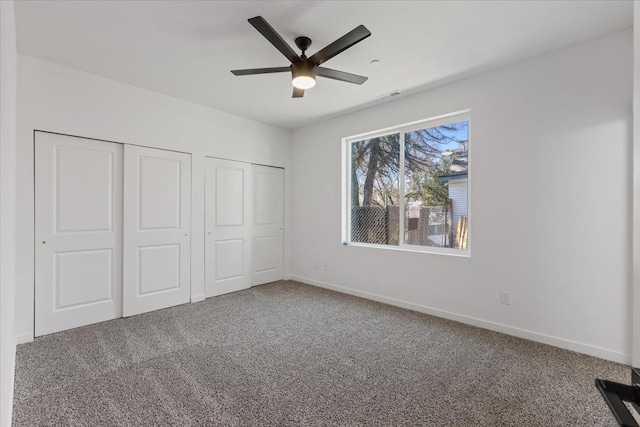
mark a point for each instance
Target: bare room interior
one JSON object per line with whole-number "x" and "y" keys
{"x": 319, "y": 213}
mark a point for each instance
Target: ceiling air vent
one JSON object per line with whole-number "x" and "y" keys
{"x": 389, "y": 95}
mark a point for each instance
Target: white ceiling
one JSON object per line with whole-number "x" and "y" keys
{"x": 185, "y": 49}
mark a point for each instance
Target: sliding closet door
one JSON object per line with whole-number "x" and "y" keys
{"x": 228, "y": 225}
{"x": 268, "y": 213}
{"x": 78, "y": 232}
{"x": 157, "y": 216}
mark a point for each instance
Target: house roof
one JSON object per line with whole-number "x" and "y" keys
{"x": 459, "y": 166}
{"x": 453, "y": 176}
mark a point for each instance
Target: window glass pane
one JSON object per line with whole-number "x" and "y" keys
{"x": 435, "y": 170}
{"x": 375, "y": 214}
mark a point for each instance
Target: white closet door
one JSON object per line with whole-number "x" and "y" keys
{"x": 228, "y": 225}
{"x": 78, "y": 232}
{"x": 268, "y": 212}
{"x": 157, "y": 217}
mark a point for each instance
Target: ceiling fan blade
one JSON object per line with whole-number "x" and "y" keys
{"x": 340, "y": 75}
{"x": 270, "y": 34}
{"x": 343, "y": 43}
{"x": 297, "y": 93}
{"x": 251, "y": 71}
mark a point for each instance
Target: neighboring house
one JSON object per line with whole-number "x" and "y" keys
{"x": 457, "y": 179}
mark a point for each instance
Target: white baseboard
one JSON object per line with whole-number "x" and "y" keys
{"x": 198, "y": 298}
{"x": 12, "y": 382}
{"x": 566, "y": 344}
{"x": 24, "y": 338}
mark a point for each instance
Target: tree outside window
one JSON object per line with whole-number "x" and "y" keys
{"x": 433, "y": 196}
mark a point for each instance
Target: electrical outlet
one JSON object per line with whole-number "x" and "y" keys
{"x": 505, "y": 298}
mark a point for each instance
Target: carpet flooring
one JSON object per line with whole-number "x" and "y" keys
{"x": 288, "y": 354}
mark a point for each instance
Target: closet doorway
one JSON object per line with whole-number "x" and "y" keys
{"x": 112, "y": 230}
{"x": 244, "y": 225}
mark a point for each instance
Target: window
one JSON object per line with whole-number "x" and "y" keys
{"x": 408, "y": 187}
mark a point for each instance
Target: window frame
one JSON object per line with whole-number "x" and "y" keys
{"x": 463, "y": 115}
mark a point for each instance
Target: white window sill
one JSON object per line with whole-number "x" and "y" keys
{"x": 412, "y": 248}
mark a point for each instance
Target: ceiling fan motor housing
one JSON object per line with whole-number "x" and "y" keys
{"x": 304, "y": 68}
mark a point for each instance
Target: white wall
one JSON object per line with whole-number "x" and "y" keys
{"x": 550, "y": 194}
{"x": 60, "y": 99}
{"x": 8, "y": 70}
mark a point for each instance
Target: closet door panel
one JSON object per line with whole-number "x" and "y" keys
{"x": 157, "y": 217}
{"x": 78, "y": 232}
{"x": 228, "y": 225}
{"x": 267, "y": 224}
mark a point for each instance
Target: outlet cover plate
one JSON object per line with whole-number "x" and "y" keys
{"x": 505, "y": 298}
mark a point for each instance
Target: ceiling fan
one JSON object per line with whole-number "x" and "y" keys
{"x": 304, "y": 70}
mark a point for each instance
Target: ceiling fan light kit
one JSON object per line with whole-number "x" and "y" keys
{"x": 304, "y": 74}
{"x": 305, "y": 70}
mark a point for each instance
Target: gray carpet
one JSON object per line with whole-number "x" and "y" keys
{"x": 288, "y": 354}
